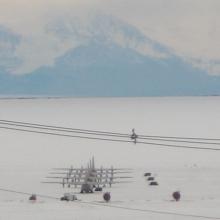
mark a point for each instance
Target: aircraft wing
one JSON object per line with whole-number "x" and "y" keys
{"x": 95, "y": 172}
{"x": 97, "y": 169}
{"x": 90, "y": 183}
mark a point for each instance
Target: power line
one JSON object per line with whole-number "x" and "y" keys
{"x": 118, "y": 207}
{"x": 111, "y": 140}
{"x": 67, "y": 129}
{"x": 26, "y": 193}
{"x": 179, "y": 137}
{"x": 98, "y": 132}
{"x": 179, "y": 146}
{"x": 66, "y": 135}
{"x": 54, "y": 128}
{"x": 179, "y": 141}
{"x": 43, "y": 127}
{"x": 154, "y": 211}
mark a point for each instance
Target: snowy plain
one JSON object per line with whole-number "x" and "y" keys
{"x": 26, "y": 159}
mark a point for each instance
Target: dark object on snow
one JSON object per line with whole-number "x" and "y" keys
{"x": 147, "y": 174}
{"x": 153, "y": 183}
{"x": 176, "y": 196}
{"x": 134, "y": 136}
{"x": 33, "y": 197}
{"x": 107, "y": 196}
{"x": 98, "y": 189}
{"x": 86, "y": 188}
{"x": 68, "y": 197}
{"x": 86, "y": 191}
{"x": 150, "y": 178}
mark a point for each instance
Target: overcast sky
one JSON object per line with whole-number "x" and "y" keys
{"x": 191, "y": 28}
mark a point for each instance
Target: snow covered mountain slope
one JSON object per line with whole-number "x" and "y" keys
{"x": 8, "y": 43}
{"x": 101, "y": 56}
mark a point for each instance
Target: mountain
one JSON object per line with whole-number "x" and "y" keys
{"x": 107, "y": 30}
{"x": 100, "y": 70}
{"x": 109, "y": 58}
{"x": 8, "y": 43}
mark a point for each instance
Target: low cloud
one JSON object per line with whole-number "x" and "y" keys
{"x": 190, "y": 28}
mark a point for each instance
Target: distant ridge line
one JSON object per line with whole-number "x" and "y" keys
{"x": 107, "y": 97}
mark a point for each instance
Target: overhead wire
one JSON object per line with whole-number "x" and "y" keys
{"x": 98, "y": 132}
{"x": 155, "y": 211}
{"x": 106, "y": 139}
{"x": 182, "y": 138}
{"x": 179, "y": 141}
{"x": 66, "y": 135}
{"x": 66, "y": 129}
{"x": 112, "y": 134}
{"x": 26, "y": 193}
{"x": 109, "y": 205}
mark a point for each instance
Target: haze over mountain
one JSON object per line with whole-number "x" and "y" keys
{"x": 99, "y": 56}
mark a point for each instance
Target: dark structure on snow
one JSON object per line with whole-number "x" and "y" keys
{"x": 176, "y": 196}
{"x": 153, "y": 183}
{"x": 107, "y": 196}
{"x": 150, "y": 178}
{"x": 147, "y": 174}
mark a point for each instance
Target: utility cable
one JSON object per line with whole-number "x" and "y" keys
{"x": 101, "y": 133}
{"x": 111, "y": 140}
{"x": 109, "y": 205}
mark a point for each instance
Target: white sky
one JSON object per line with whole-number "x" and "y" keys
{"x": 191, "y": 28}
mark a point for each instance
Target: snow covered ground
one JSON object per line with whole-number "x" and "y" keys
{"x": 27, "y": 158}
